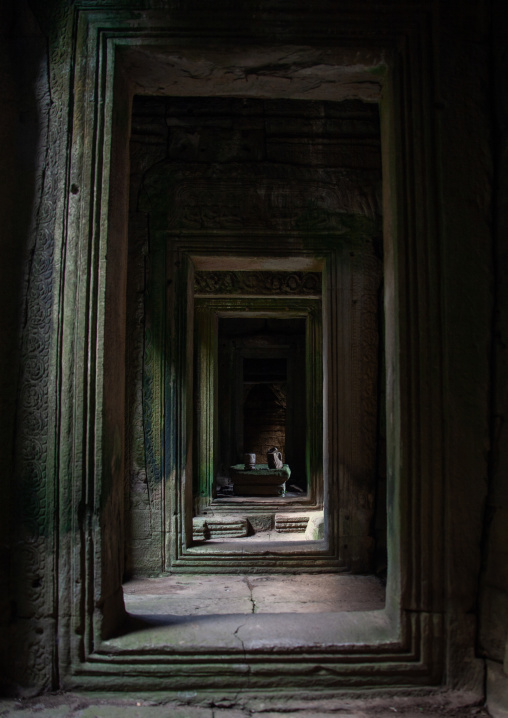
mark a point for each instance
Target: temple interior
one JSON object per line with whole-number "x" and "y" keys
{"x": 254, "y": 364}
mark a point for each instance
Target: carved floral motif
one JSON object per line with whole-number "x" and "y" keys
{"x": 258, "y": 283}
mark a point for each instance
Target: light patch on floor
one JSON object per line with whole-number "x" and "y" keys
{"x": 187, "y": 595}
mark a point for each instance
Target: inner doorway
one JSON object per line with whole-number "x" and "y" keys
{"x": 258, "y": 385}
{"x": 297, "y": 191}
{"x": 261, "y": 396}
{"x": 254, "y": 399}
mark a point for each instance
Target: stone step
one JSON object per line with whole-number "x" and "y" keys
{"x": 207, "y": 528}
{"x": 289, "y": 523}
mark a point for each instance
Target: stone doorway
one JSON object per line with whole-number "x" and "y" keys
{"x": 246, "y": 208}
{"x": 266, "y": 391}
{"x": 257, "y": 359}
{"x": 395, "y": 645}
{"x": 261, "y": 394}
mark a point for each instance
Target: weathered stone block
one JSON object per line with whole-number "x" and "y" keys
{"x": 291, "y": 522}
{"x": 232, "y": 527}
{"x": 141, "y": 527}
{"x": 260, "y": 481}
{"x": 261, "y": 522}
{"x": 146, "y": 557}
{"x": 200, "y": 530}
{"x": 315, "y": 530}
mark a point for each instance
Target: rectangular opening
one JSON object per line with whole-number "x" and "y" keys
{"x": 360, "y": 649}
{"x": 262, "y": 396}
{"x": 274, "y": 228}
{"x": 257, "y": 381}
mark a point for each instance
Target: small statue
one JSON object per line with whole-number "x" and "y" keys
{"x": 274, "y": 458}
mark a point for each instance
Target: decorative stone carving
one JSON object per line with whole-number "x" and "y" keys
{"x": 289, "y": 204}
{"x": 258, "y": 283}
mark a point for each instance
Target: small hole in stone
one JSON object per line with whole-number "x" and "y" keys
{"x": 74, "y": 188}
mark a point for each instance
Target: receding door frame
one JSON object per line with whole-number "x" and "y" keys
{"x": 351, "y": 274}
{"x": 207, "y": 311}
{"x": 411, "y": 642}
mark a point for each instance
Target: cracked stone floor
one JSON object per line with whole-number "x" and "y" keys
{"x": 183, "y": 598}
{"x": 282, "y": 705}
{"x": 187, "y": 595}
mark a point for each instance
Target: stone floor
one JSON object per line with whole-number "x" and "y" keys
{"x": 273, "y": 536}
{"x": 283, "y": 705}
{"x": 187, "y": 595}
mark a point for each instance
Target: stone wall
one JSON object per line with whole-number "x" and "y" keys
{"x": 462, "y": 111}
{"x": 33, "y": 140}
{"x": 265, "y": 420}
{"x": 493, "y": 598}
{"x": 10, "y": 283}
{"x": 41, "y": 573}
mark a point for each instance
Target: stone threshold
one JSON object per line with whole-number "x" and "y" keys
{"x": 316, "y": 633}
{"x": 306, "y": 525}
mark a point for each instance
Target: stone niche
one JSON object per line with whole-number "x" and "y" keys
{"x": 254, "y": 246}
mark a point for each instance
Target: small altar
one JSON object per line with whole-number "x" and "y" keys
{"x": 259, "y": 481}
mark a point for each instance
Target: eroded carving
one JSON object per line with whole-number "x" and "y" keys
{"x": 258, "y": 283}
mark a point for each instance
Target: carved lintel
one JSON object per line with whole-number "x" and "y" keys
{"x": 258, "y": 283}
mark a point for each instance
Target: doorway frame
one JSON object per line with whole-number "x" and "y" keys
{"x": 207, "y": 311}
{"x": 405, "y": 644}
{"x": 349, "y": 346}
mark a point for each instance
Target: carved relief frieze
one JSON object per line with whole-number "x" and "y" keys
{"x": 267, "y": 204}
{"x": 258, "y": 283}
{"x": 270, "y": 205}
